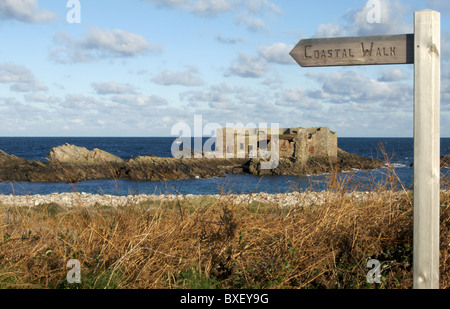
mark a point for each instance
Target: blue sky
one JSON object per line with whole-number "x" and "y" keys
{"x": 138, "y": 67}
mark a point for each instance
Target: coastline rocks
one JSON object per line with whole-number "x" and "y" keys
{"x": 69, "y": 163}
{"x": 80, "y": 155}
{"x": 291, "y": 166}
{"x": 445, "y": 162}
{"x": 10, "y": 159}
{"x": 66, "y": 163}
{"x": 158, "y": 169}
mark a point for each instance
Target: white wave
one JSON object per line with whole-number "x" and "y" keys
{"x": 396, "y": 165}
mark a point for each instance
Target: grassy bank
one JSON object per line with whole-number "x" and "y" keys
{"x": 210, "y": 242}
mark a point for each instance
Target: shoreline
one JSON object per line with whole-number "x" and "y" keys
{"x": 303, "y": 199}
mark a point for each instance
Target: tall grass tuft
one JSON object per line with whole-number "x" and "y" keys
{"x": 213, "y": 242}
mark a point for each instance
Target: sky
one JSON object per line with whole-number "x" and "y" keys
{"x": 140, "y": 67}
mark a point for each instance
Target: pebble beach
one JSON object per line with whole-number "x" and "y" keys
{"x": 303, "y": 199}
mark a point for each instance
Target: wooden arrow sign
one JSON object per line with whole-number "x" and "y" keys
{"x": 368, "y": 50}
{"x": 422, "y": 49}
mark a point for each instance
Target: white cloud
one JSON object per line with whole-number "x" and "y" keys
{"x": 80, "y": 103}
{"x": 113, "y": 88}
{"x": 116, "y": 42}
{"x": 277, "y": 53}
{"x": 30, "y": 116}
{"x": 20, "y": 78}
{"x": 248, "y": 12}
{"x": 253, "y": 24}
{"x": 98, "y": 44}
{"x": 247, "y": 66}
{"x": 258, "y": 6}
{"x": 39, "y": 97}
{"x": 214, "y": 93}
{"x": 204, "y": 8}
{"x": 224, "y": 104}
{"x": 24, "y": 10}
{"x": 139, "y": 100}
{"x": 211, "y": 7}
{"x": 392, "y": 75}
{"x": 184, "y": 78}
{"x": 228, "y": 40}
{"x": 298, "y": 98}
{"x": 352, "y": 87}
{"x": 170, "y": 3}
{"x": 383, "y": 112}
{"x": 221, "y": 103}
{"x": 81, "y": 115}
{"x": 5, "y": 102}
{"x": 330, "y": 31}
{"x": 10, "y": 73}
{"x": 394, "y": 20}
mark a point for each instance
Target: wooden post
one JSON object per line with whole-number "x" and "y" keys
{"x": 426, "y": 149}
{"x": 425, "y": 53}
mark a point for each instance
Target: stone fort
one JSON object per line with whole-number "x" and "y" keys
{"x": 298, "y": 143}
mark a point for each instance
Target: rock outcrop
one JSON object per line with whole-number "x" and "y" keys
{"x": 80, "y": 155}
{"x": 157, "y": 169}
{"x": 316, "y": 165}
{"x": 7, "y": 159}
{"x": 69, "y": 163}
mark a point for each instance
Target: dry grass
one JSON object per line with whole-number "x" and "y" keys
{"x": 213, "y": 243}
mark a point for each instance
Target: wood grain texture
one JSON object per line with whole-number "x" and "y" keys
{"x": 347, "y": 51}
{"x": 427, "y": 79}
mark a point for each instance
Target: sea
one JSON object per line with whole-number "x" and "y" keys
{"x": 399, "y": 152}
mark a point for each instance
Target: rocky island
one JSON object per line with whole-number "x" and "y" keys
{"x": 299, "y": 151}
{"x": 70, "y": 163}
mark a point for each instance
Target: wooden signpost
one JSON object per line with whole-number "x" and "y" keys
{"x": 423, "y": 50}
{"x": 383, "y": 49}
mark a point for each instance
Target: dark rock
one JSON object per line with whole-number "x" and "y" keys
{"x": 315, "y": 165}
{"x": 7, "y": 159}
{"x": 156, "y": 169}
{"x": 445, "y": 162}
{"x": 71, "y": 164}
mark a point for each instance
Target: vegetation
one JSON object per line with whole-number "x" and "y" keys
{"x": 214, "y": 243}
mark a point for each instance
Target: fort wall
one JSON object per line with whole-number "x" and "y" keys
{"x": 298, "y": 143}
